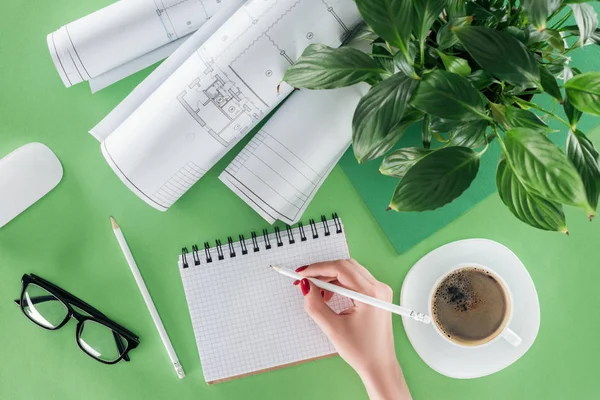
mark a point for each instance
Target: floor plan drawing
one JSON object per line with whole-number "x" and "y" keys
{"x": 182, "y": 17}
{"x": 217, "y": 104}
{"x": 123, "y": 32}
{"x": 244, "y": 62}
{"x": 222, "y": 90}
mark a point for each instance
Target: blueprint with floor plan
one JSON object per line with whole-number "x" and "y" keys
{"x": 125, "y": 37}
{"x": 218, "y": 94}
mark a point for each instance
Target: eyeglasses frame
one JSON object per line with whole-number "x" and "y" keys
{"x": 70, "y": 301}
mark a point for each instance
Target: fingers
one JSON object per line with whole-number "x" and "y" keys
{"x": 345, "y": 272}
{"x": 314, "y": 305}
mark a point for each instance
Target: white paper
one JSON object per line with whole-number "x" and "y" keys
{"x": 283, "y": 166}
{"x": 142, "y": 91}
{"x": 246, "y": 316}
{"x": 219, "y": 94}
{"x": 121, "y": 32}
{"x": 131, "y": 67}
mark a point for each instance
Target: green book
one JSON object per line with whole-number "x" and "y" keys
{"x": 406, "y": 229}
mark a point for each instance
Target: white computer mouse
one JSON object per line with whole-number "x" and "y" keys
{"x": 26, "y": 175}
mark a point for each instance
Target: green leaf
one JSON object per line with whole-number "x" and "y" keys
{"x": 426, "y": 132}
{"x": 425, "y": 12}
{"x": 574, "y": 30}
{"x": 386, "y": 62}
{"x": 390, "y": 19}
{"x": 499, "y": 115}
{"x": 456, "y": 9}
{"x": 378, "y": 114}
{"x": 549, "y": 84}
{"x": 323, "y": 67}
{"x": 442, "y": 125}
{"x": 445, "y": 37}
{"x": 584, "y": 156}
{"x": 555, "y": 40}
{"x": 398, "y": 162}
{"x": 525, "y": 204}
{"x": 518, "y": 118}
{"x": 470, "y": 134}
{"x": 364, "y": 32}
{"x": 536, "y": 36}
{"x": 583, "y": 91}
{"x": 450, "y": 96}
{"x": 587, "y": 21}
{"x": 500, "y": 54}
{"x": 543, "y": 168}
{"x": 480, "y": 79}
{"x": 522, "y": 35}
{"x": 456, "y": 65}
{"x": 436, "y": 180}
{"x": 411, "y": 116}
{"x": 572, "y": 114}
{"x": 538, "y": 11}
{"x": 406, "y": 65}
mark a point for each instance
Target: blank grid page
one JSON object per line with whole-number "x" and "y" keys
{"x": 246, "y": 316}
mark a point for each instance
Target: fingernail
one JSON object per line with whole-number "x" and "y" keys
{"x": 296, "y": 282}
{"x": 323, "y": 293}
{"x": 302, "y": 268}
{"x": 304, "y": 286}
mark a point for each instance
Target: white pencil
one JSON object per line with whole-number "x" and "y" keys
{"x": 146, "y": 295}
{"x": 363, "y": 298}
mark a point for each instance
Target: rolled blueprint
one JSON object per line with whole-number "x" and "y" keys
{"x": 227, "y": 86}
{"x": 124, "y": 37}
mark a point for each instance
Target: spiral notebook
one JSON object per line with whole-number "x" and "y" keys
{"x": 247, "y": 318}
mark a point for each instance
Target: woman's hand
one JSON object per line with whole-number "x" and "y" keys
{"x": 361, "y": 334}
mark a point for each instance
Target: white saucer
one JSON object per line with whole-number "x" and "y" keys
{"x": 466, "y": 363}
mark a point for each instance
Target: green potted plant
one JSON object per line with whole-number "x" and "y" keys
{"x": 468, "y": 71}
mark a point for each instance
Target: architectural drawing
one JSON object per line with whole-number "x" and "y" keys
{"x": 182, "y": 17}
{"x": 123, "y": 32}
{"x": 219, "y": 105}
{"x": 243, "y": 69}
{"x": 219, "y": 94}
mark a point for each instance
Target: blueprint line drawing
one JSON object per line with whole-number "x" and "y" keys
{"x": 219, "y": 103}
{"x": 122, "y": 33}
{"x": 230, "y": 83}
{"x": 279, "y": 171}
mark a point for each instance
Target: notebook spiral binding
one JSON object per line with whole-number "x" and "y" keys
{"x": 281, "y": 239}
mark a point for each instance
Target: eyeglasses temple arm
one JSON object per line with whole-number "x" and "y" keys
{"x": 38, "y": 299}
{"x": 41, "y": 299}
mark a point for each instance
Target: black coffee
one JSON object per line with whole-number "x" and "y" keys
{"x": 470, "y": 306}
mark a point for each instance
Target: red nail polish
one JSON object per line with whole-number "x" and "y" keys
{"x": 305, "y": 286}
{"x": 296, "y": 282}
{"x": 302, "y": 268}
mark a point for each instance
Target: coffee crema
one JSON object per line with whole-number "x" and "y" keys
{"x": 470, "y": 306}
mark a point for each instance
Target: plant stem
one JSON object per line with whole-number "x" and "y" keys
{"x": 576, "y": 45}
{"x": 533, "y": 105}
{"x": 555, "y": 13}
{"x": 562, "y": 20}
{"x": 552, "y": 53}
{"x": 380, "y": 55}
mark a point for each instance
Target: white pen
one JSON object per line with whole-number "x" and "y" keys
{"x": 146, "y": 295}
{"x": 363, "y": 298}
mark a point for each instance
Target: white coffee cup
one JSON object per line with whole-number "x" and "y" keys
{"x": 507, "y": 334}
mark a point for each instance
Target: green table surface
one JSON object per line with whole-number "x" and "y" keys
{"x": 66, "y": 238}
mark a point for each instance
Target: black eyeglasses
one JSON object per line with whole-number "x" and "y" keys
{"x": 51, "y": 307}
